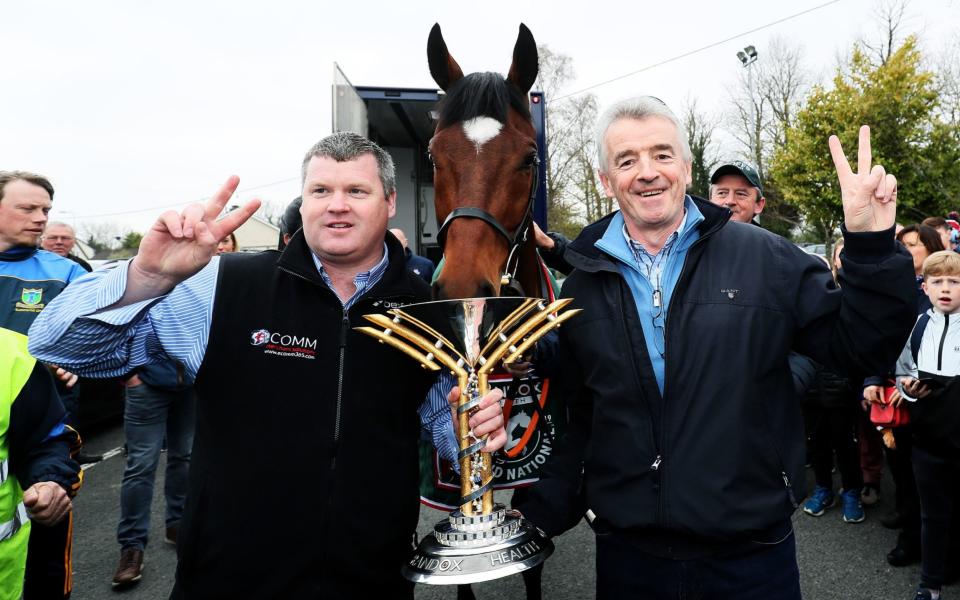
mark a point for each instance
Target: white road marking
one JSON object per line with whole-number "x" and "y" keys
{"x": 106, "y": 455}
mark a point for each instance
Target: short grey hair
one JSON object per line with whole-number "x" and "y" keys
{"x": 61, "y": 224}
{"x": 638, "y": 108}
{"x": 344, "y": 146}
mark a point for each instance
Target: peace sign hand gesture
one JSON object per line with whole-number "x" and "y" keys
{"x": 178, "y": 245}
{"x": 869, "y": 195}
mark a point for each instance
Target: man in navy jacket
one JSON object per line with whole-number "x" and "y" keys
{"x": 686, "y": 439}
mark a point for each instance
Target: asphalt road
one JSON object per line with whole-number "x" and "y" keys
{"x": 837, "y": 560}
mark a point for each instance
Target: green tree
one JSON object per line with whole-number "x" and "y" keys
{"x": 898, "y": 99}
{"x": 131, "y": 242}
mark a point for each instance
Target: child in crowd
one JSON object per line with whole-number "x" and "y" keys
{"x": 830, "y": 410}
{"x": 926, "y": 374}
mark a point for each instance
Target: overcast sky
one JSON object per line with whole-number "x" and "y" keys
{"x": 131, "y": 107}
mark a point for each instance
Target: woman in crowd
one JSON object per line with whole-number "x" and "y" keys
{"x": 228, "y": 244}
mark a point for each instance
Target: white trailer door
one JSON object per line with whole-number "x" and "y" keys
{"x": 349, "y": 110}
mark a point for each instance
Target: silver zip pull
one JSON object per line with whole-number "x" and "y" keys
{"x": 656, "y": 298}
{"x": 656, "y": 463}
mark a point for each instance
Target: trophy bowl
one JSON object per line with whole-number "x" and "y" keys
{"x": 480, "y": 541}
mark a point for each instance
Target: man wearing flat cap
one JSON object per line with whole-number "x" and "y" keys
{"x": 736, "y": 185}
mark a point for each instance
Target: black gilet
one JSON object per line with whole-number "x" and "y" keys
{"x": 292, "y": 493}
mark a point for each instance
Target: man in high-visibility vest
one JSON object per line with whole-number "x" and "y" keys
{"x": 37, "y": 475}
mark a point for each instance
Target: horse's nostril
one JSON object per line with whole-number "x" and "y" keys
{"x": 486, "y": 290}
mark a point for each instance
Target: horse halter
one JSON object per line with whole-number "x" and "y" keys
{"x": 514, "y": 239}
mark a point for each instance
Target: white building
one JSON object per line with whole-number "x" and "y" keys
{"x": 257, "y": 234}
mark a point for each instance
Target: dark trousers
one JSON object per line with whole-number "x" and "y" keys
{"x": 49, "y": 574}
{"x": 907, "y": 500}
{"x": 834, "y": 431}
{"x": 768, "y": 572}
{"x": 937, "y": 482}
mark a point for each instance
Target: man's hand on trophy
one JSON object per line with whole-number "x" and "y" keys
{"x": 178, "y": 245}
{"x": 488, "y": 418}
{"x": 519, "y": 368}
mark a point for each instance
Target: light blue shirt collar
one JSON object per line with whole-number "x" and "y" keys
{"x": 615, "y": 243}
{"x": 362, "y": 281}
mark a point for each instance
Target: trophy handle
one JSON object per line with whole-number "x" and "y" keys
{"x": 476, "y": 469}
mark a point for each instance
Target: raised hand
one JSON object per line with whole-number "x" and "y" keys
{"x": 869, "y": 195}
{"x": 178, "y": 245}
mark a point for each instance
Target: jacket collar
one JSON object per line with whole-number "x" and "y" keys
{"x": 582, "y": 253}
{"x": 297, "y": 258}
{"x": 17, "y": 253}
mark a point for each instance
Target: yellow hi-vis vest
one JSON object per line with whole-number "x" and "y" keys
{"x": 16, "y": 364}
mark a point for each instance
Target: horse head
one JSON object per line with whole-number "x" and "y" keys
{"x": 484, "y": 154}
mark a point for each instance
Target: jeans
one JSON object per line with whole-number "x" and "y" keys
{"x": 149, "y": 415}
{"x": 767, "y": 573}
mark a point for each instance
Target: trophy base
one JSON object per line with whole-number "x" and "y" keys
{"x": 474, "y": 549}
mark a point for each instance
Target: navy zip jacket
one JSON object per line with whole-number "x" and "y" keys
{"x": 719, "y": 457}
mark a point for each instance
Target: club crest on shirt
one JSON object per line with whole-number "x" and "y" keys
{"x": 30, "y": 300}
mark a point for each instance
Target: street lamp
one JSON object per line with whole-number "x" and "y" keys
{"x": 747, "y": 57}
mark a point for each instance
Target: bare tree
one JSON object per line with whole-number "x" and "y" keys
{"x": 784, "y": 83}
{"x": 890, "y": 15}
{"x": 700, "y": 128}
{"x": 763, "y": 113}
{"x": 101, "y": 236}
{"x": 764, "y": 107}
{"x": 948, "y": 70}
{"x": 571, "y": 181}
{"x": 588, "y": 195}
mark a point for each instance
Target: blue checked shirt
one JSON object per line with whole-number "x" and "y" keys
{"x": 79, "y": 332}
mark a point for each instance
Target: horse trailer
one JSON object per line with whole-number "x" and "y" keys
{"x": 402, "y": 121}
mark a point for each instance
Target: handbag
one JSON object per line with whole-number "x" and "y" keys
{"x": 886, "y": 414}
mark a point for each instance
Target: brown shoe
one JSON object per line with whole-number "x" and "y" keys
{"x": 129, "y": 568}
{"x": 171, "y": 536}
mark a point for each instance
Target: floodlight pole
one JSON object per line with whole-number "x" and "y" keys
{"x": 747, "y": 57}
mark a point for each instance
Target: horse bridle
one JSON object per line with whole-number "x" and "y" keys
{"x": 514, "y": 240}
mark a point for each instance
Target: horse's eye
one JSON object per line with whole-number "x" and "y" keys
{"x": 430, "y": 160}
{"x": 530, "y": 160}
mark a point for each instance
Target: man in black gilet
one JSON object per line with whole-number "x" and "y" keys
{"x": 303, "y": 480}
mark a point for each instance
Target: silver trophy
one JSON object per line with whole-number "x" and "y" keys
{"x": 480, "y": 541}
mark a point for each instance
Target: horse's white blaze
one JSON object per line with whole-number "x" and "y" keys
{"x": 481, "y": 130}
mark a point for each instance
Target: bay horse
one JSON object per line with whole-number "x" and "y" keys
{"x": 486, "y": 168}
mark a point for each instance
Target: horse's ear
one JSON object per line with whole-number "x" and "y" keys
{"x": 443, "y": 68}
{"x": 523, "y": 71}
